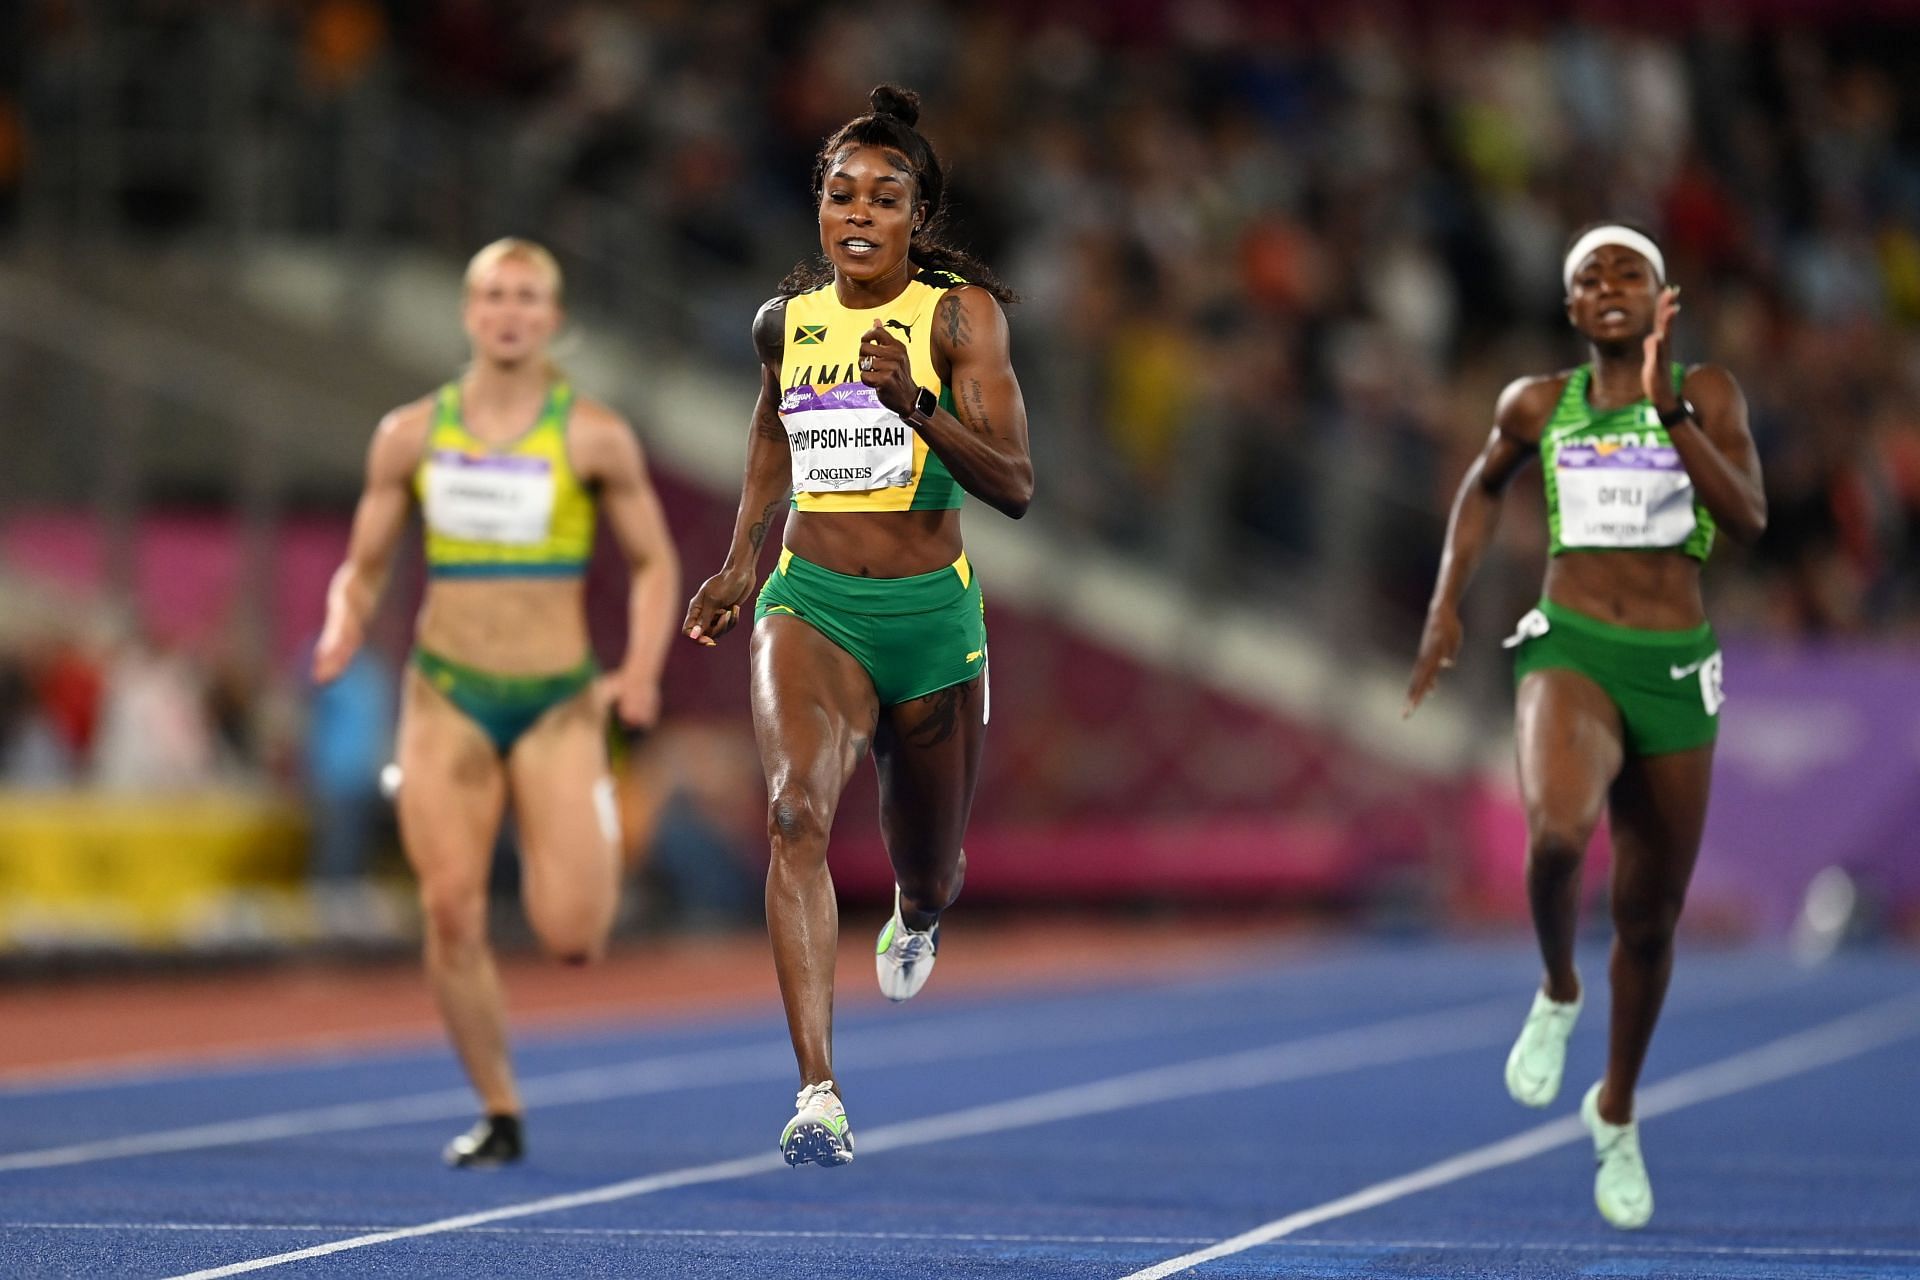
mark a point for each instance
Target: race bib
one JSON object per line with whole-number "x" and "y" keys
{"x": 1623, "y": 496}
{"x": 506, "y": 499}
{"x": 843, "y": 439}
{"x": 1713, "y": 694}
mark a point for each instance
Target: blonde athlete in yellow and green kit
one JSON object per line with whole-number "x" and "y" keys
{"x": 885, "y": 391}
{"x": 508, "y": 468}
{"x": 1618, "y": 672}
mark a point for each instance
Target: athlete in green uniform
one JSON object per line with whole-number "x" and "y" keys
{"x": 507, "y": 468}
{"x": 885, "y": 391}
{"x": 1619, "y": 675}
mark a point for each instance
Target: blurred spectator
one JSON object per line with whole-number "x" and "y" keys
{"x": 692, "y": 808}
{"x": 13, "y": 156}
{"x": 87, "y": 697}
{"x": 13, "y": 127}
{"x": 349, "y": 740}
{"x": 1385, "y": 189}
{"x": 155, "y": 733}
{"x": 31, "y": 752}
{"x": 341, "y": 41}
{"x": 70, "y": 687}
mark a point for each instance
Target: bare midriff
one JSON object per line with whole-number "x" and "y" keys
{"x": 506, "y": 626}
{"x": 1651, "y": 590}
{"x": 876, "y": 544}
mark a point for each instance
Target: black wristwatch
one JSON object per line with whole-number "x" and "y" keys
{"x": 1679, "y": 415}
{"x": 925, "y": 405}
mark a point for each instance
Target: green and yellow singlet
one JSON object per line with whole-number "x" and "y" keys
{"x": 850, "y": 452}
{"x": 513, "y": 510}
{"x": 1614, "y": 480}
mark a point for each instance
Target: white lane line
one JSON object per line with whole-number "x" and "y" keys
{"x": 342, "y": 1052}
{"x": 1283, "y": 968}
{"x": 1395, "y": 1041}
{"x": 1247, "y": 975}
{"x": 1636, "y": 1250}
{"x": 1305, "y": 971}
{"x": 1832, "y": 1252}
{"x": 925, "y": 1040}
{"x": 212, "y": 1227}
{"x": 691, "y": 1233}
{"x": 1837, "y": 1252}
{"x": 1848, "y": 1037}
{"x": 723, "y": 1171}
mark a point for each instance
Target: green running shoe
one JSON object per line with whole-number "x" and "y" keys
{"x": 903, "y": 959}
{"x": 1539, "y": 1056}
{"x": 1620, "y": 1187}
{"x": 818, "y": 1132}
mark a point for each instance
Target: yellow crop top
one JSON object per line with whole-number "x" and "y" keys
{"x": 850, "y": 452}
{"x": 513, "y": 510}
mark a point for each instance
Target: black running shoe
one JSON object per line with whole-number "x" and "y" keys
{"x": 493, "y": 1141}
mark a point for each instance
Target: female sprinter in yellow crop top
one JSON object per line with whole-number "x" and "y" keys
{"x": 885, "y": 390}
{"x": 508, "y": 468}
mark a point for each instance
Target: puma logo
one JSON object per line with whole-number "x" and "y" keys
{"x": 904, "y": 328}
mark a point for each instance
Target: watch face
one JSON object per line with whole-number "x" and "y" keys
{"x": 926, "y": 404}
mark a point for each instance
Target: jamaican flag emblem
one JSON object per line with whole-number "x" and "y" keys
{"x": 810, "y": 335}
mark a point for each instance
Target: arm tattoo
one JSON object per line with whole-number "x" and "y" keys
{"x": 976, "y": 402}
{"x": 757, "y": 535}
{"x": 954, "y": 316}
{"x": 767, "y": 426}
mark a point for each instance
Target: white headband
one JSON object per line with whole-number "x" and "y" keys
{"x": 1625, "y": 237}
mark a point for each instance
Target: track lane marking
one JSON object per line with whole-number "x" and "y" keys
{"x": 925, "y": 1040}
{"x": 1394, "y": 1041}
{"x": 1847, "y": 1037}
{"x": 965, "y": 1034}
{"x": 991, "y": 1237}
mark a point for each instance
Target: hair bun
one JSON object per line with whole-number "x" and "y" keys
{"x": 902, "y": 104}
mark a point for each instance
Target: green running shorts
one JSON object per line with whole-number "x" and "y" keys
{"x": 1666, "y": 683}
{"x": 505, "y": 707}
{"x": 914, "y": 636}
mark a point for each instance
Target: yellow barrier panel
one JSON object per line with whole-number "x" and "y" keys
{"x": 142, "y": 870}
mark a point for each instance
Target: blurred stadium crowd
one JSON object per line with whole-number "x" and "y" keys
{"x": 88, "y": 697}
{"x": 1277, "y": 259}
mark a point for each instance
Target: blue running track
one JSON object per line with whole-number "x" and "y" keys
{"x": 1346, "y": 1099}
